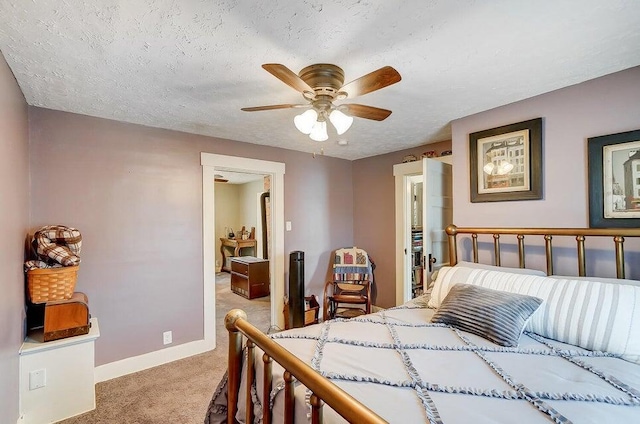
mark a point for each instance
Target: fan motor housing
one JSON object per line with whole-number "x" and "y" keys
{"x": 325, "y": 78}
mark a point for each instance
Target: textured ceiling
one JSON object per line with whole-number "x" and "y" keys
{"x": 191, "y": 65}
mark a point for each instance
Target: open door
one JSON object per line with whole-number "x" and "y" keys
{"x": 437, "y": 213}
{"x": 407, "y": 176}
{"x": 424, "y": 207}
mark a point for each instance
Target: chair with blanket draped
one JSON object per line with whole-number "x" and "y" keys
{"x": 350, "y": 292}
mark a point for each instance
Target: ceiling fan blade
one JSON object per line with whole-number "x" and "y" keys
{"x": 288, "y": 77}
{"x": 376, "y": 80}
{"x": 271, "y": 107}
{"x": 367, "y": 112}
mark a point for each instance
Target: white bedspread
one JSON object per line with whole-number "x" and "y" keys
{"x": 408, "y": 371}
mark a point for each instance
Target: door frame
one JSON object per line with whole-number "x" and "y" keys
{"x": 210, "y": 164}
{"x": 403, "y": 173}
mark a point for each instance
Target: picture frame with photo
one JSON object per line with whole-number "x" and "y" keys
{"x": 614, "y": 180}
{"x": 506, "y": 162}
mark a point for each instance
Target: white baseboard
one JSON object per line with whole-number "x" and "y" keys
{"x": 149, "y": 360}
{"x": 375, "y": 308}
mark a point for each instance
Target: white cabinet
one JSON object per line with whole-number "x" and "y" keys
{"x": 57, "y": 377}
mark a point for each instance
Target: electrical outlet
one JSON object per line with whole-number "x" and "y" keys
{"x": 37, "y": 379}
{"x": 167, "y": 337}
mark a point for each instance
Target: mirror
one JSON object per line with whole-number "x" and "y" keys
{"x": 416, "y": 202}
{"x": 416, "y": 235}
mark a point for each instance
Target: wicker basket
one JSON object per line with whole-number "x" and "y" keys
{"x": 44, "y": 285}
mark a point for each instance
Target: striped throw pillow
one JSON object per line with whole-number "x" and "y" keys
{"x": 590, "y": 314}
{"x": 495, "y": 315}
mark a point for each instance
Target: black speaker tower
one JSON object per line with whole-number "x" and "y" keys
{"x": 296, "y": 289}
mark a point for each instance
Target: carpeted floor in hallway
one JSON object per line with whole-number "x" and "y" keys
{"x": 178, "y": 392}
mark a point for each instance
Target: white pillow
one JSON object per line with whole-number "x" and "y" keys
{"x": 527, "y": 271}
{"x": 475, "y": 265}
{"x": 590, "y": 314}
{"x": 447, "y": 277}
{"x": 600, "y": 279}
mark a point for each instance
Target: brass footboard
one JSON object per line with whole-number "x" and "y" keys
{"x": 323, "y": 390}
{"x": 580, "y": 234}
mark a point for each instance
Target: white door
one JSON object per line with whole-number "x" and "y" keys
{"x": 405, "y": 175}
{"x": 437, "y": 213}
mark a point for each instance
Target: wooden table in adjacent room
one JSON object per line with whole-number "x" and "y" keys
{"x": 237, "y": 245}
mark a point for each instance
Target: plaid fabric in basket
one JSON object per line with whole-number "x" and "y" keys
{"x": 59, "y": 244}
{"x": 36, "y": 264}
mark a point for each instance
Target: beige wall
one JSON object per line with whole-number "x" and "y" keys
{"x": 135, "y": 193}
{"x": 249, "y": 203}
{"x": 374, "y": 214}
{"x": 14, "y": 225}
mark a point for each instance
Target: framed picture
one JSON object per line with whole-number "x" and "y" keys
{"x": 614, "y": 180}
{"x": 506, "y": 162}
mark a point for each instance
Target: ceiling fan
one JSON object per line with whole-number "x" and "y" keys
{"x": 321, "y": 84}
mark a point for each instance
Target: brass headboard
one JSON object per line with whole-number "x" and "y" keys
{"x": 580, "y": 234}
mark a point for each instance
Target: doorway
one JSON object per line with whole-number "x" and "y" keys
{"x": 420, "y": 222}
{"x": 239, "y": 224}
{"x": 212, "y": 164}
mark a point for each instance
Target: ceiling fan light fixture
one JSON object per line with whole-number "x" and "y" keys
{"x": 306, "y": 121}
{"x": 319, "y": 131}
{"x": 323, "y": 83}
{"x": 341, "y": 121}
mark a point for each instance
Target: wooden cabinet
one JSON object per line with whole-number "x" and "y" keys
{"x": 237, "y": 246}
{"x": 250, "y": 276}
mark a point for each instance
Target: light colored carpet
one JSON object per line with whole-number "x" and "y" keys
{"x": 178, "y": 392}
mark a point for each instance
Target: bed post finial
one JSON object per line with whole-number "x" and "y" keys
{"x": 234, "y": 361}
{"x": 231, "y": 318}
{"x": 452, "y": 231}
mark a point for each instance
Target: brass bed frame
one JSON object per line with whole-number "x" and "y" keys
{"x": 323, "y": 390}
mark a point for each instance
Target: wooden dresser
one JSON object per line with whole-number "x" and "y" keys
{"x": 250, "y": 276}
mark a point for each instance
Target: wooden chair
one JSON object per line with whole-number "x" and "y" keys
{"x": 349, "y": 293}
